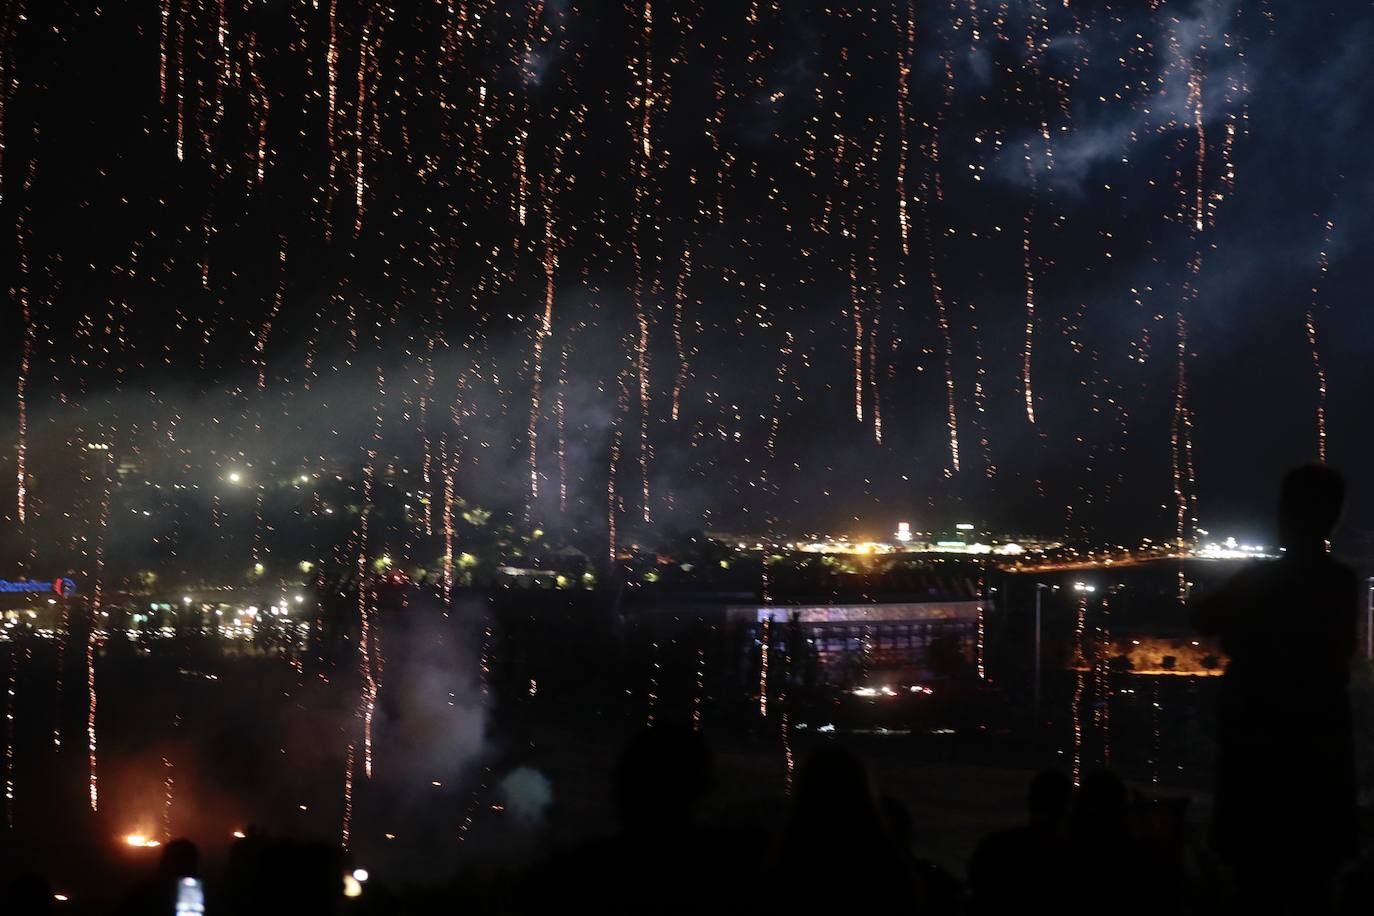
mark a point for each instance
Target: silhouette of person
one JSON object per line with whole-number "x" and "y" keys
{"x": 1285, "y": 814}
{"x": 269, "y": 876}
{"x": 1024, "y": 867}
{"x": 837, "y": 853}
{"x": 1108, "y": 862}
{"x": 941, "y": 892}
{"x": 661, "y": 860}
{"x": 179, "y": 859}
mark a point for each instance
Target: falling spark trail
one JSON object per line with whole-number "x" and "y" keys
{"x": 642, "y": 358}
{"x": 1322, "y": 265}
{"x": 260, "y": 101}
{"x": 359, "y": 131}
{"x": 784, "y": 354}
{"x": 617, "y": 436}
{"x": 541, "y": 335}
{"x": 1199, "y": 190}
{"x": 700, "y": 687}
{"x": 788, "y": 758}
{"x": 874, "y": 328}
{"x": 368, "y": 700}
{"x": 92, "y": 638}
{"x": 980, "y": 644}
{"x": 347, "y": 828}
{"x": 1180, "y": 432}
{"x": 225, "y": 73}
{"x": 522, "y": 136}
{"x": 331, "y": 96}
{"x": 448, "y": 526}
{"x": 261, "y": 344}
{"x": 764, "y": 638}
{"x": 560, "y": 410}
{"x": 1102, "y": 686}
{"x": 426, "y": 465}
{"x": 1154, "y": 731}
{"x": 679, "y": 303}
{"x": 167, "y": 783}
{"x": 181, "y": 84}
{"x": 856, "y": 311}
{"x": 645, "y": 154}
{"x": 1078, "y": 663}
{"x": 1030, "y": 309}
{"x": 903, "y": 93}
{"x": 166, "y": 15}
{"x": 61, "y": 634}
{"x": 942, "y": 319}
{"x": 9, "y": 738}
{"x": 25, "y": 355}
{"x": 654, "y": 668}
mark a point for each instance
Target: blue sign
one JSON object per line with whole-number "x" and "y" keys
{"x": 63, "y": 586}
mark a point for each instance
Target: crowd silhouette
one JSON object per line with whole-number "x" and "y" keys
{"x": 1285, "y": 838}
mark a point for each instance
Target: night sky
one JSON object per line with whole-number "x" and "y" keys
{"x": 778, "y": 266}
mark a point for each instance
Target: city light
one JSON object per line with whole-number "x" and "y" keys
{"x": 141, "y": 841}
{"x": 1230, "y": 549}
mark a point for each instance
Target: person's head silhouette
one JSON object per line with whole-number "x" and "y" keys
{"x": 660, "y": 777}
{"x": 1310, "y": 503}
{"x": 835, "y": 804}
{"x": 179, "y": 859}
{"x": 1102, "y": 808}
{"x": 1049, "y": 797}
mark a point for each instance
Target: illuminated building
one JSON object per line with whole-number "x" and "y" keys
{"x": 890, "y": 640}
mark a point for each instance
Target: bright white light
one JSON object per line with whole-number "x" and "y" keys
{"x": 904, "y": 531}
{"x": 235, "y": 477}
{"x": 964, "y": 526}
{"x": 360, "y": 875}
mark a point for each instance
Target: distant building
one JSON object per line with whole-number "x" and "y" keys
{"x": 887, "y": 641}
